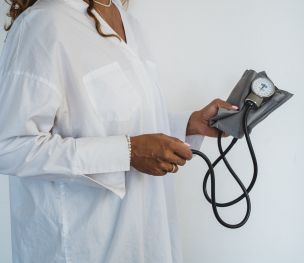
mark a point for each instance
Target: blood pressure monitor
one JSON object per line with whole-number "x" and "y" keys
{"x": 262, "y": 88}
{"x": 257, "y": 97}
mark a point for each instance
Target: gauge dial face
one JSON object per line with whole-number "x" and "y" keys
{"x": 263, "y": 87}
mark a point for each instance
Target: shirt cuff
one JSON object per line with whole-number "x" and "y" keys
{"x": 178, "y": 127}
{"x": 104, "y": 161}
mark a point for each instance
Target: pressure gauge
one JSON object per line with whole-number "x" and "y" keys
{"x": 261, "y": 89}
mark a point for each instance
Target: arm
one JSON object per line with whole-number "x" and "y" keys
{"x": 191, "y": 127}
{"x": 28, "y": 148}
{"x": 179, "y": 128}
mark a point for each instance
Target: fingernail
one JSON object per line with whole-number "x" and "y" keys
{"x": 235, "y": 107}
{"x": 187, "y": 144}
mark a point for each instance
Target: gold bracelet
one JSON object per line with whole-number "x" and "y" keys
{"x": 129, "y": 146}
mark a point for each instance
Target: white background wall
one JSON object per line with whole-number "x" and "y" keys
{"x": 202, "y": 47}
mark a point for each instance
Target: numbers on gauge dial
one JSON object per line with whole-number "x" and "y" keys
{"x": 263, "y": 87}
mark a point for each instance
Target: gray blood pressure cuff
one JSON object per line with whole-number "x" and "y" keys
{"x": 230, "y": 121}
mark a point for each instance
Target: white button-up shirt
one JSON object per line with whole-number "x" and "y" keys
{"x": 68, "y": 97}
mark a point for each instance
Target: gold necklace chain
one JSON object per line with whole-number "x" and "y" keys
{"x": 104, "y": 5}
{"x": 115, "y": 33}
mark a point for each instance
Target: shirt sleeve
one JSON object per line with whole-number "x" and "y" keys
{"x": 28, "y": 148}
{"x": 178, "y": 126}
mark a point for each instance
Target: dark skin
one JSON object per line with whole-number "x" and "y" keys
{"x": 112, "y": 16}
{"x": 156, "y": 154}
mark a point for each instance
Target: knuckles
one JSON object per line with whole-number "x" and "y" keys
{"x": 216, "y": 101}
{"x": 163, "y": 166}
{"x": 189, "y": 156}
{"x": 166, "y": 155}
{"x": 162, "y": 152}
{"x": 160, "y": 173}
{"x": 181, "y": 162}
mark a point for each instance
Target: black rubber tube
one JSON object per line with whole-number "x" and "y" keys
{"x": 210, "y": 173}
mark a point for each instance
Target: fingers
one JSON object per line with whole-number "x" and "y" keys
{"x": 171, "y": 157}
{"x": 168, "y": 167}
{"x": 158, "y": 154}
{"x": 177, "y": 153}
{"x": 159, "y": 172}
{"x": 224, "y": 104}
{"x": 162, "y": 168}
{"x": 228, "y": 106}
{"x": 181, "y": 150}
{"x": 175, "y": 150}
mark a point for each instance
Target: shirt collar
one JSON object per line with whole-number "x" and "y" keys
{"x": 131, "y": 46}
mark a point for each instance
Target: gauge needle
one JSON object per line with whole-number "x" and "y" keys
{"x": 263, "y": 86}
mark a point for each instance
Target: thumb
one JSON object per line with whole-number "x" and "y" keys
{"x": 226, "y": 105}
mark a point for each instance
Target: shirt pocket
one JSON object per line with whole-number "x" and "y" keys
{"x": 111, "y": 93}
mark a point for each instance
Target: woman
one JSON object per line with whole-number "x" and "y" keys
{"x": 83, "y": 130}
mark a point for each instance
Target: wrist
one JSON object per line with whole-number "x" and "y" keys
{"x": 192, "y": 124}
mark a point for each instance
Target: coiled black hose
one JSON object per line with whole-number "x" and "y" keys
{"x": 210, "y": 173}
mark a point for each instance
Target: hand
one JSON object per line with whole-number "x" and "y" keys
{"x": 199, "y": 120}
{"x": 158, "y": 154}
